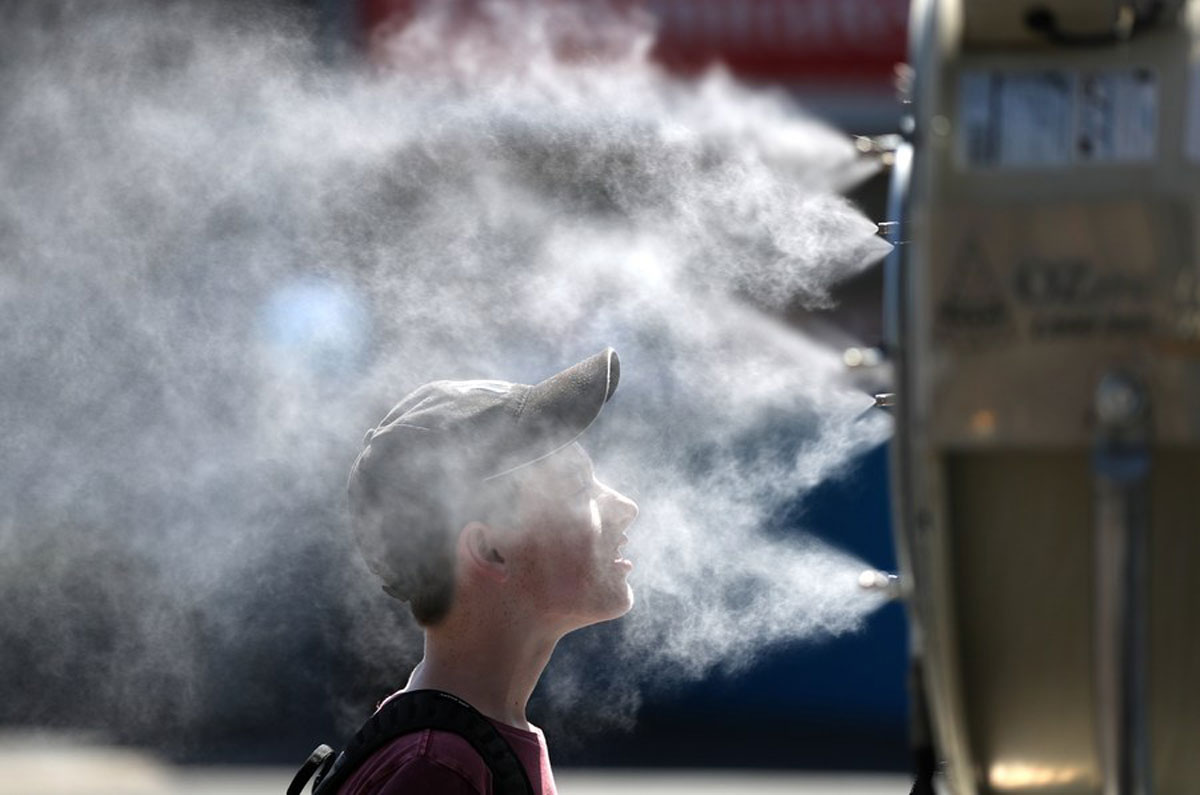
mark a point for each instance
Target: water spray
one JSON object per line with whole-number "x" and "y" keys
{"x": 229, "y": 259}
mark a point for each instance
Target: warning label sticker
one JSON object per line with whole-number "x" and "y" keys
{"x": 1056, "y": 272}
{"x": 972, "y": 306}
{"x": 1057, "y": 118}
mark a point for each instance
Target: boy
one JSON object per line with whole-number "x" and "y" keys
{"x": 474, "y": 502}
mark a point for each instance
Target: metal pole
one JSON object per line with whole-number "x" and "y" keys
{"x": 1121, "y": 464}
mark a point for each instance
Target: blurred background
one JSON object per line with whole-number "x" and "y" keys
{"x": 825, "y": 704}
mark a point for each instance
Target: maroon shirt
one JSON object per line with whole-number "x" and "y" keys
{"x": 431, "y": 762}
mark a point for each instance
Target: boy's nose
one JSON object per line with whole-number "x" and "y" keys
{"x": 619, "y": 509}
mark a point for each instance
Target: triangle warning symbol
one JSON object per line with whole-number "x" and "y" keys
{"x": 973, "y": 300}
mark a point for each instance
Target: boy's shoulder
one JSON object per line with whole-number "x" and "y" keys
{"x": 434, "y": 755}
{"x": 428, "y": 760}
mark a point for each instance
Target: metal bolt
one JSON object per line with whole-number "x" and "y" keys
{"x": 1118, "y": 400}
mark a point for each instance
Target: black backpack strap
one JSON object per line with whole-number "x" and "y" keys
{"x": 319, "y": 760}
{"x": 415, "y": 711}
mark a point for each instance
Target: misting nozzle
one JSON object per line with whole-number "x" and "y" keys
{"x": 879, "y": 581}
{"x": 885, "y": 400}
{"x": 880, "y": 147}
{"x": 862, "y": 357}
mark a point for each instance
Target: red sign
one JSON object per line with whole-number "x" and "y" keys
{"x": 784, "y": 39}
{"x": 857, "y": 41}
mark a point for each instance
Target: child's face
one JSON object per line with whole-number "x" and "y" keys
{"x": 566, "y": 559}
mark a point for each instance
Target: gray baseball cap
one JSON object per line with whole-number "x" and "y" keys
{"x": 449, "y": 437}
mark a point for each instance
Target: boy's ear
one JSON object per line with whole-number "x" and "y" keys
{"x": 476, "y": 548}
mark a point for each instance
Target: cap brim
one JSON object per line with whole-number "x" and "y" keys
{"x": 558, "y": 410}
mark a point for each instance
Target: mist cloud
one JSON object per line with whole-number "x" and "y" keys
{"x": 223, "y": 260}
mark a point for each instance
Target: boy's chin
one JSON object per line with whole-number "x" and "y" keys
{"x": 617, "y": 606}
{"x": 621, "y": 604}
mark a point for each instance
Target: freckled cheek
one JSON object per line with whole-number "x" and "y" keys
{"x": 556, "y": 572}
{"x": 568, "y": 564}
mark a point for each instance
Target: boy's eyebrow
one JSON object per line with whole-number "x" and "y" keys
{"x": 575, "y": 451}
{"x": 589, "y": 466}
{"x": 579, "y": 468}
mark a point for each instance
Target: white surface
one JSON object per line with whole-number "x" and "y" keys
{"x": 595, "y": 782}
{"x": 52, "y": 766}
{"x": 728, "y": 783}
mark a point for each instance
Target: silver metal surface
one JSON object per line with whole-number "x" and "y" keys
{"x": 1039, "y": 308}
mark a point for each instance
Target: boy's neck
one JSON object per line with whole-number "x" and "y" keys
{"x": 493, "y": 665}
